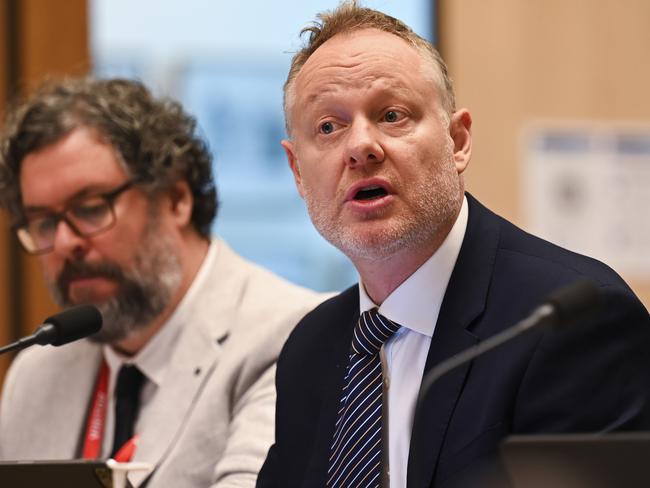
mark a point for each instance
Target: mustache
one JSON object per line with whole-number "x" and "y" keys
{"x": 74, "y": 270}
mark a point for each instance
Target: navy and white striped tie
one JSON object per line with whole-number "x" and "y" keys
{"x": 356, "y": 452}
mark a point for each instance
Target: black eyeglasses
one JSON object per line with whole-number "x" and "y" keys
{"x": 87, "y": 217}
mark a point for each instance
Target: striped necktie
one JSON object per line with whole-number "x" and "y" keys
{"x": 356, "y": 452}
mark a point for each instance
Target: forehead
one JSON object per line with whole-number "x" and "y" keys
{"x": 362, "y": 58}
{"x": 80, "y": 161}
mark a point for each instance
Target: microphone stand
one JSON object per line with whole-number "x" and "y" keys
{"x": 540, "y": 315}
{"x": 42, "y": 336}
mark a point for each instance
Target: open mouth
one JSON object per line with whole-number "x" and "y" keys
{"x": 370, "y": 193}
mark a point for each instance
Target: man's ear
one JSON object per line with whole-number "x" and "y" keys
{"x": 290, "y": 150}
{"x": 460, "y": 130}
{"x": 182, "y": 202}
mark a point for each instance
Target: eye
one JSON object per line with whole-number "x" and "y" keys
{"x": 42, "y": 226}
{"x": 91, "y": 212}
{"x": 326, "y": 128}
{"x": 392, "y": 116}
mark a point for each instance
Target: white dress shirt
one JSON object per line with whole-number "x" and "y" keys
{"x": 415, "y": 305}
{"x": 153, "y": 359}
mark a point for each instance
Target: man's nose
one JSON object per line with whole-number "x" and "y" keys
{"x": 363, "y": 144}
{"x": 68, "y": 243}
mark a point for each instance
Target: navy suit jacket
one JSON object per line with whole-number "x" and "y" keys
{"x": 592, "y": 377}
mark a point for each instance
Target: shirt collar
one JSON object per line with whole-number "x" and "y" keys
{"x": 153, "y": 358}
{"x": 415, "y": 303}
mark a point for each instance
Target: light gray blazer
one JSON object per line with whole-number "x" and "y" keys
{"x": 211, "y": 420}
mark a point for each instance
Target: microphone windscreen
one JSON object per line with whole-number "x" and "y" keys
{"x": 571, "y": 303}
{"x": 75, "y": 323}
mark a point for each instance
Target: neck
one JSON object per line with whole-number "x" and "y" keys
{"x": 191, "y": 256}
{"x": 382, "y": 275}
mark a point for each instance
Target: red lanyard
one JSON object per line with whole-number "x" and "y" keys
{"x": 94, "y": 436}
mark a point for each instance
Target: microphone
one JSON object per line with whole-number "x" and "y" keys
{"x": 561, "y": 308}
{"x": 64, "y": 327}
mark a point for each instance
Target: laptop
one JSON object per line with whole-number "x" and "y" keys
{"x": 71, "y": 474}
{"x": 618, "y": 460}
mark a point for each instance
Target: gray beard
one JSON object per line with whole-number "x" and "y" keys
{"x": 144, "y": 292}
{"x": 440, "y": 200}
{"x": 141, "y": 299}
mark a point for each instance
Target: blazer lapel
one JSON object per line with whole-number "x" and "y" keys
{"x": 206, "y": 324}
{"x": 191, "y": 367}
{"x": 331, "y": 387}
{"x": 464, "y": 301}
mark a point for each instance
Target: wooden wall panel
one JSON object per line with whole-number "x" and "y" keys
{"x": 5, "y": 313}
{"x": 4, "y": 56}
{"x": 54, "y": 39}
{"x": 51, "y": 40}
{"x": 54, "y": 42}
{"x": 516, "y": 61}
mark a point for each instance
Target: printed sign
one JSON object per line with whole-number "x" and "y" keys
{"x": 587, "y": 188}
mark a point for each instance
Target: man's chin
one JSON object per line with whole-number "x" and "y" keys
{"x": 121, "y": 321}
{"x": 101, "y": 338}
{"x": 110, "y": 333}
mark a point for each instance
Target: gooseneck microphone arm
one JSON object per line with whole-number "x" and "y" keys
{"x": 539, "y": 315}
{"x": 561, "y": 308}
{"x": 38, "y": 337}
{"x": 62, "y": 328}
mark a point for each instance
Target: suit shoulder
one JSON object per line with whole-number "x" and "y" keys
{"x": 319, "y": 335}
{"x": 536, "y": 252}
{"x": 48, "y": 364}
{"x": 41, "y": 357}
{"x": 519, "y": 269}
{"x": 254, "y": 293}
{"x": 330, "y": 317}
{"x": 265, "y": 294}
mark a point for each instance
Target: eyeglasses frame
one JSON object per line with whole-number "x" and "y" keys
{"x": 110, "y": 198}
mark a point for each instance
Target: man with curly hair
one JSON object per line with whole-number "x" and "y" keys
{"x": 113, "y": 190}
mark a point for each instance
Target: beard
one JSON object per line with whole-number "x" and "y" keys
{"x": 433, "y": 203}
{"x": 144, "y": 290}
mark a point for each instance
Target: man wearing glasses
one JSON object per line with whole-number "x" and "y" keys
{"x": 113, "y": 191}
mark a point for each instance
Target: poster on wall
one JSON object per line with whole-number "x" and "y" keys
{"x": 587, "y": 187}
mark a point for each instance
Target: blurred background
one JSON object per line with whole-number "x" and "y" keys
{"x": 557, "y": 90}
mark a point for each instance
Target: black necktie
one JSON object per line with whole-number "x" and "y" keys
{"x": 127, "y": 404}
{"x": 356, "y": 452}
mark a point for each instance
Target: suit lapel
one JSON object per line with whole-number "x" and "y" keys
{"x": 192, "y": 365}
{"x": 464, "y": 301}
{"x": 206, "y": 325}
{"x": 330, "y": 392}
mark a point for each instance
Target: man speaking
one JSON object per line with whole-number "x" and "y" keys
{"x": 378, "y": 149}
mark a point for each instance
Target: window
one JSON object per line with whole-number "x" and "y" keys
{"x": 227, "y": 62}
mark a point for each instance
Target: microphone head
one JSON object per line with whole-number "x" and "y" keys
{"x": 74, "y": 323}
{"x": 573, "y": 302}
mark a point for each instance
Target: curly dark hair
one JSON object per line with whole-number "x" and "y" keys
{"x": 155, "y": 138}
